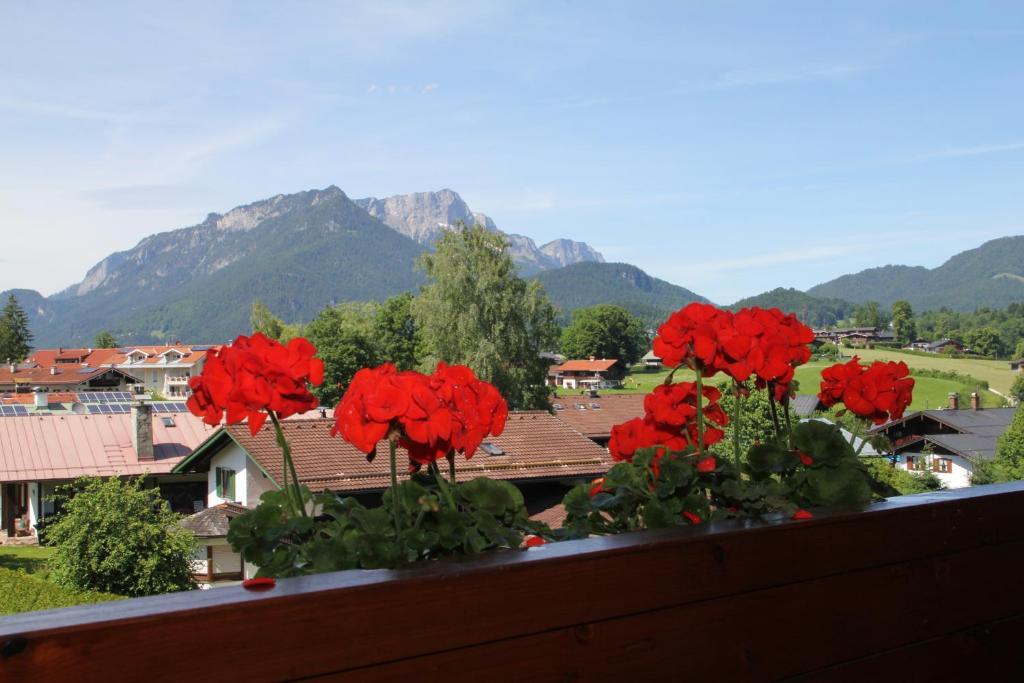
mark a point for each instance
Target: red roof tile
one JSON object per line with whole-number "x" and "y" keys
{"x": 579, "y": 412}
{"x": 536, "y": 446}
{"x": 43, "y": 447}
{"x": 598, "y": 365}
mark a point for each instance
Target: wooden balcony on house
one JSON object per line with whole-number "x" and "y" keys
{"x": 917, "y": 588}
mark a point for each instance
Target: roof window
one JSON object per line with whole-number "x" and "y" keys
{"x": 491, "y": 449}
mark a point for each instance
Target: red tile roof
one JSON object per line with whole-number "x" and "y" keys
{"x": 29, "y": 398}
{"x": 579, "y": 412}
{"x": 70, "y": 375}
{"x": 598, "y": 365}
{"x": 537, "y": 446}
{"x": 39, "y": 448}
{"x": 554, "y": 516}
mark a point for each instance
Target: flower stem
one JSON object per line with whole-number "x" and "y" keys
{"x": 451, "y": 468}
{"x": 736, "y": 415}
{"x": 789, "y": 422}
{"x": 775, "y": 415}
{"x": 291, "y": 489}
{"x": 443, "y": 485}
{"x": 700, "y": 413}
{"x": 392, "y": 448}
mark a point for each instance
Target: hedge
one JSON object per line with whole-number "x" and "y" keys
{"x": 22, "y": 592}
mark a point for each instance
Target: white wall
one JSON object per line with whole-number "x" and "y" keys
{"x": 250, "y": 482}
{"x": 957, "y": 479}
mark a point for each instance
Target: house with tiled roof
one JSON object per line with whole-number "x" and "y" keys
{"x": 40, "y": 451}
{"x": 1017, "y": 365}
{"x": 594, "y": 416}
{"x": 214, "y": 559}
{"x": 592, "y": 373}
{"x": 60, "y": 376}
{"x": 949, "y": 442}
{"x": 541, "y": 454}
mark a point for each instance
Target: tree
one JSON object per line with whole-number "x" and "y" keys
{"x": 868, "y": 314}
{"x": 1019, "y": 351}
{"x": 476, "y": 311}
{"x": 118, "y": 537}
{"x": 1017, "y": 390}
{"x": 395, "y": 331}
{"x": 985, "y": 341}
{"x": 755, "y": 425}
{"x": 1008, "y": 463}
{"x": 903, "y": 321}
{"x": 105, "y": 340}
{"x": 605, "y": 331}
{"x": 343, "y": 336}
{"x": 15, "y": 336}
{"x": 262, "y": 320}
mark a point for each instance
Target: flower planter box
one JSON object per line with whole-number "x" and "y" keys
{"x": 917, "y": 588}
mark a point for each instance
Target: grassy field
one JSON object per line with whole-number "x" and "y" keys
{"x": 24, "y": 587}
{"x": 929, "y": 392}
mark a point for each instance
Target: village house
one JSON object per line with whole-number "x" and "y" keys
{"x": 1017, "y": 365}
{"x": 948, "y": 442}
{"x": 164, "y": 369}
{"x": 651, "y": 361}
{"x": 66, "y": 377}
{"x": 944, "y": 346}
{"x": 594, "y": 416}
{"x": 593, "y": 373}
{"x": 39, "y": 451}
{"x": 854, "y": 336}
{"x": 539, "y": 453}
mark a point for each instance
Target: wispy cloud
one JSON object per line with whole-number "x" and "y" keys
{"x": 62, "y": 110}
{"x": 765, "y": 76}
{"x": 973, "y": 151}
{"x": 149, "y": 196}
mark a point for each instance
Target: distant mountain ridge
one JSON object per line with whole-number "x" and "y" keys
{"x": 297, "y": 253}
{"x": 989, "y": 275}
{"x": 426, "y": 216}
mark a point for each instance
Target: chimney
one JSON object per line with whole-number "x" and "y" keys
{"x": 975, "y": 401}
{"x": 592, "y": 359}
{"x": 53, "y": 369}
{"x": 954, "y": 400}
{"x": 13, "y": 367}
{"x": 40, "y": 398}
{"x": 142, "y": 430}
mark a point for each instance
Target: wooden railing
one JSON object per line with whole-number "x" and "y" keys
{"x": 917, "y": 588}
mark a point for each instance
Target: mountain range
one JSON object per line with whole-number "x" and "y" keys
{"x": 300, "y": 252}
{"x": 297, "y": 253}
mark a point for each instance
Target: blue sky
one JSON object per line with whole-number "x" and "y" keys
{"x": 729, "y": 147}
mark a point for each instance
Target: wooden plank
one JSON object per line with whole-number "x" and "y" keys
{"x": 321, "y": 624}
{"x": 761, "y": 635}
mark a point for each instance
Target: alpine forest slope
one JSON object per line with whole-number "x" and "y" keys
{"x": 811, "y": 310}
{"x": 296, "y": 253}
{"x": 991, "y": 275}
{"x": 426, "y": 216}
{"x": 587, "y": 284}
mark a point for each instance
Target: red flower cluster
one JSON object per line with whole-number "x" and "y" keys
{"x": 670, "y": 420}
{"x": 431, "y": 416}
{"x": 754, "y": 341}
{"x": 255, "y": 375}
{"x": 879, "y": 392}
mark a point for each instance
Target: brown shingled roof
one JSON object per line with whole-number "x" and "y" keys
{"x": 213, "y": 522}
{"x": 535, "y": 446}
{"x": 579, "y": 413}
{"x": 583, "y": 365}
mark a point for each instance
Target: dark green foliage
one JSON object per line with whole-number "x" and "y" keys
{"x": 900, "y": 482}
{"x": 396, "y": 335}
{"x": 344, "y": 338}
{"x": 903, "y": 322}
{"x": 985, "y": 341}
{"x": 653, "y": 492}
{"x": 581, "y": 285}
{"x": 475, "y": 311}
{"x": 868, "y": 314}
{"x": 990, "y": 275}
{"x": 118, "y": 537}
{"x": 105, "y": 340}
{"x": 756, "y": 421}
{"x": 1017, "y": 390}
{"x": 605, "y": 331}
{"x": 22, "y": 592}
{"x": 15, "y": 335}
{"x": 811, "y": 310}
{"x": 436, "y": 521}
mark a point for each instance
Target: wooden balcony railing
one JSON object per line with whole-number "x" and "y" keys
{"x": 918, "y": 588}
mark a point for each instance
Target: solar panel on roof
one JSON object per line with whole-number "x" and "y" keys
{"x": 204, "y": 347}
{"x": 86, "y": 371}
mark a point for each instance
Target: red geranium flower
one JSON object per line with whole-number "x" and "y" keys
{"x": 253, "y": 376}
{"x": 596, "y": 486}
{"x": 692, "y": 517}
{"x": 879, "y": 392}
{"x": 430, "y": 416}
{"x": 534, "y": 541}
{"x": 707, "y": 464}
{"x": 802, "y": 514}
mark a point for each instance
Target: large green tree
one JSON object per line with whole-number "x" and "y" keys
{"x": 15, "y": 335}
{"x": 605, "y": 331}
{"x": 868, "y": 314}
{"x": 120, "y": 537}
{"x": 395, "y": 332}
{"x": 105, "y": 340}
{"x": 476, "y": 311}
{"x": 903, "y": 321}
{"x": 263, "y": 320}
{"x": 1008, "y": 463}
{"x": 985, "y": 341}
{"x": 343, "y": 336}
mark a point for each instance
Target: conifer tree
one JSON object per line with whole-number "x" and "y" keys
{"x": 15, "y": 335}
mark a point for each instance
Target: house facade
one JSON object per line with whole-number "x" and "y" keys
{"x": 950, "y": 442}
{"x": 39, "y": 452}
{"x": 594, "y": 373}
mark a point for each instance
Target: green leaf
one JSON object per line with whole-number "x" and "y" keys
{"x": 822, "y": 441}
